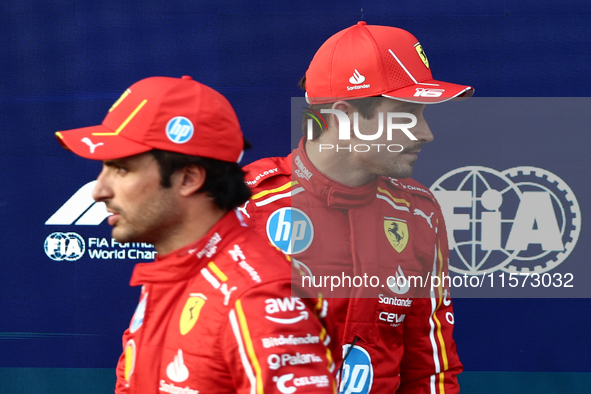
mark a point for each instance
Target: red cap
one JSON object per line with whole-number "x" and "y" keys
{"x": 366, "y": 61}
{"x": 173, "y": 114}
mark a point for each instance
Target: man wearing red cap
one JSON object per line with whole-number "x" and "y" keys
{"x": 343, "y": 205}
{"x": 216, "y": 314}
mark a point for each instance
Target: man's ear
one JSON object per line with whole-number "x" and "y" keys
{"x": 342, "y": 106}
{"x": 345, "y": 108}
{"x": 193, "y": 178}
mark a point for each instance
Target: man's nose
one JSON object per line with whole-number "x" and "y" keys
{"x": 102, "y": 191}
{"x": 422, "y": 131}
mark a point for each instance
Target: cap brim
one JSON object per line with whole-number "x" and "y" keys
{"x": 431, "y": 92}
{"x": 99, "y": 143}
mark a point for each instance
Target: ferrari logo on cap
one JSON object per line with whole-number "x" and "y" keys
{"x": 190, "y": 312}
{"x": 422, "y": 54}
{"x": 397, "y": 233}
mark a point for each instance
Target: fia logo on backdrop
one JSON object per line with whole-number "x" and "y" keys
{"x": 521, "y": 220}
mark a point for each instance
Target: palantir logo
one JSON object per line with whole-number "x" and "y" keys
{"x": 80, "y": 209}
{"x": 179, "y": 130}
{"x": 523, "y": 219}
{"x": 64, "y": 246}
{"x": 290, "y": 229}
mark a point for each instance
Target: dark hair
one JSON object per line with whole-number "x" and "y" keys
{"x": 224, "y": 181}
{"x": 364, "y": 106}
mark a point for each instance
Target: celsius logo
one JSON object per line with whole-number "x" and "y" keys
{"x": 179, "y": 130}
{"x": 80, "y": 209}
{"x": 290, "y": 229}
{"x": 64, "y": 246}
{"x": 520, "y": 220}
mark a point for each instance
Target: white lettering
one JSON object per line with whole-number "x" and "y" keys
{"x": 210, "y": 248}
{"x": 261, "y": 175}
{"x": 365, "y": 86}
{"x": 401, "y": 126}
{"x": 253, "y": 273}
{"x": 361, "y": 148}
{"x": 535, "y": 210}
{"x": 277, "y": 361}
{"x": 318, "y": 381}
{"x": 394, "y": 301}
{"x": 364, "y": 137}
{"x": 290, "y": 340}
{"x": 172, "y": 389}
{"x": 428, "y": 92}
{"x": 302, "y": 171}
{"x": 392, "y": 318}
{"x": 291, "y": 304}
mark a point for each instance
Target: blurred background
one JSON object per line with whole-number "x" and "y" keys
{"x": 63, "y": 63}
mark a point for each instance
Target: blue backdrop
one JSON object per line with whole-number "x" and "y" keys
{"x": 63, "y": 63}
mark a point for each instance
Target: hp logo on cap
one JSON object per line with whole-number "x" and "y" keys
{"x": 179, "y": 130}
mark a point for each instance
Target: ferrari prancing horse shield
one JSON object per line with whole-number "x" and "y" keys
{"x": 190, "y": 312}
{"x": 422, "y": 54}
{"x": 397, "y": 233}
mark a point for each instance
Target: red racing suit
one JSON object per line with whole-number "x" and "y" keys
{"x": 394, "y": 339}
{"x": 218, "y": 316}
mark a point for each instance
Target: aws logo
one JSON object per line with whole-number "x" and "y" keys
{"x": 287, "y": 304}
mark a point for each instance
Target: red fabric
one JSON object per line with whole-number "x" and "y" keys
{"x": 173, "y": 114}
{"x": 407, "y": 335}
{"x": 367, "y": 60}
{"x": 241, "y": 331}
